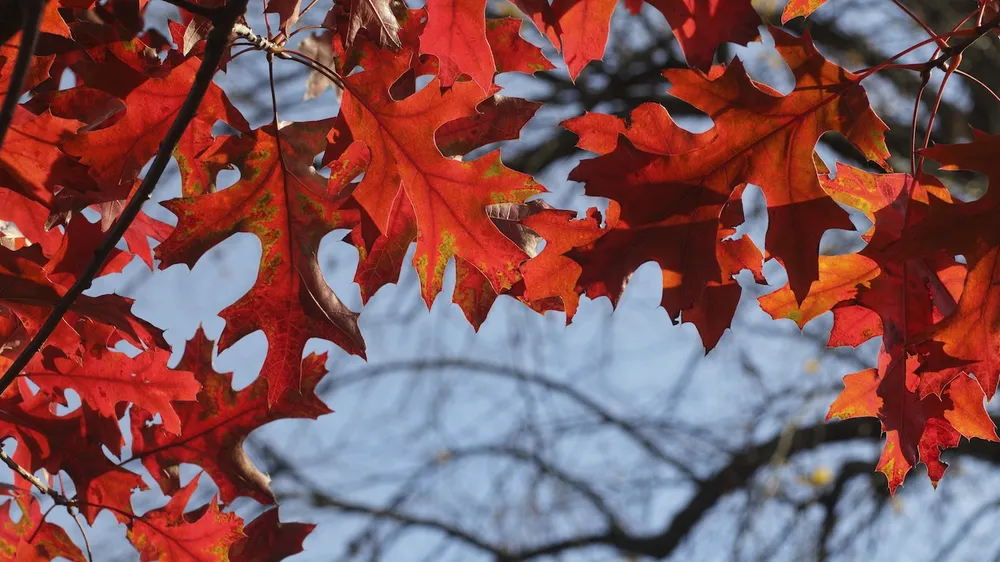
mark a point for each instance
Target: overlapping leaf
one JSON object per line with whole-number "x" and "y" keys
{"x": 922, "y": 408}
{"x": 679, "y": 183}
{"x": 31, "y": 538}
{"x": 215, "y": 426}
{"x": 168, "y": 534}
{"x": 115, "y": 155}
{"x": 579, "y": 28}
{"x": 448, "y": 197}
{"x": 767, "y": 139}
{"x": 284, "y": 202}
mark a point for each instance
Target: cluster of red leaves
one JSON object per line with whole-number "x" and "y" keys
{"x": 676, "y": 200}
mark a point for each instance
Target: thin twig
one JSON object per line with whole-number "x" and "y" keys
{"x": 32, "y": 11}
{"x": 261, "y": 43}
{"x": 270, "y": 47}
{"x": 937, "y": 38}
{"x": 958, "y": 48}
{"x": 86, "y": 541}
{"x": 979, "y": 82}
{"x": 35, "y": 481}
{"x": 215, "y": 47}
{"x": 329, "y": 73}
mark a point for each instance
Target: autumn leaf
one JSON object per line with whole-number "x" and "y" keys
{"x": 319, "y": 46}
{"x": 375, "y": 17}
{"x": 287, "y": 10}
{"x": 579, "y": 28}
{"x": 663, "y": 216}
{"x": 551, "y": 273}
{"x": 31, "y": 294}
{"x": 701, "y": 26}
{"x": 449, "y": 197}
{"x": 584, "y": 26}
{"x": 68, "y": 443}
{"x": 168, "y": 534}
{"x": 456, "y": 35}
{"x": 269, "y": 540}
{"x": 115, "y": 155}
{"x": 215, "y": 427}
{"x": 800, "y": 8}
{"x": 969, "y": 339}
{"x": 839, "y": 279}
{"x": 284, "y": 202}
{"x": 511, "y": 52}
{"x": 34, "y": 162}
{"x": 496, "y": 119}
{"x": 777, "y": 155}
{"x": 31, "y": 538}
{"x": 915, "y": 428}
{"x": 109, "y": 379}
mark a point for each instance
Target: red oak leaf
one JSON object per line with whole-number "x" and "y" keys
{"x": 498, "y": 119}
{"x": 969, "y": 338}
{"x": 287, "y": 10}
{"x": 33, "y": 163}
{"x": 103, "y": 381}
{"x": 839, "y": 278}
{"x": 269, "y": 540}
{"x": 46, "y": 440}
{"x": 215, "y": 426}
{"x": 38, "y": 71}
{"x": 700, "y": 26}
{"x": 659, "y": 206}
{"x": 649, "y": 129}
{"x": 449, "y": 197}
{"x": 321, "y": 46}
{"x": 579, "y": 28}
{"x": 922, "y": 410}
{"x": 877, "y": 292}
{"x": 31, "y": 294}
{"x": 916, "y": 429}
{"x": 283, "y": 201}
{"x": 551, "y": 273}
{"x": 375, "y": 17}
{"x": 381, "y": 255}
{"x": 170, "y": 535}
{"x": 778, "y": 155}
{"x": 512, "y": 53}
{"x": 713, "y": 312}
{"x": 116, "y": 154}
{"x": 797, "y": 8}
{"x": 853, "y": 324}
{"x": 32, "y": 538}
{"x": 30, "y": 217}
{"x": 456, "y": 35}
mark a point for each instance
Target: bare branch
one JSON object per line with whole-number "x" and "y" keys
{"x": 35, "y": 481}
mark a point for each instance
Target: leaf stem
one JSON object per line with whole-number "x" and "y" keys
{"x": 937, "y": 38}
{"x": 952, "y": 51}
{"x": 32, "y": 11}
{"x": 218, "y": 39}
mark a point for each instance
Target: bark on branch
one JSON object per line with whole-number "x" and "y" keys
{"x": 31, "y": 14}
